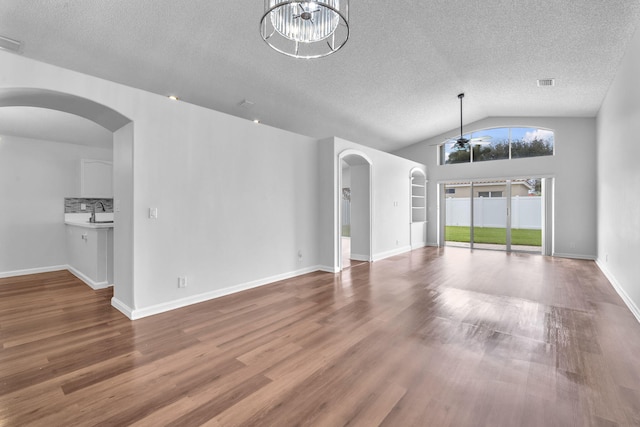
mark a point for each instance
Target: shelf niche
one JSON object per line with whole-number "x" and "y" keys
{"x": 418, "y": 197}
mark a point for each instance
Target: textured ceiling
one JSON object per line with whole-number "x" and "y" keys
{"x": 393, "y": 84}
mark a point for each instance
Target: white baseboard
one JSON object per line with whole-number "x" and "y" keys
{"x": 122, "y": 307}
{"x": 32, "y": 271}
{"x": 432, "y": 244}
{"x": 418, "y": 245}
{"x": 328, "y": 269}
{"x": 619, "y": 289}
{"x": 387, "y": 254}
{"x": 92, "y": 284}
{"x": 139, "y": 313}
{"x": 574, "y": 256}
{"x": 359, "y": 257}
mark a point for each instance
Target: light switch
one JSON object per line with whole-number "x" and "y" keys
{"x": 153, "y": 213}
{"x": 83, "y": 206}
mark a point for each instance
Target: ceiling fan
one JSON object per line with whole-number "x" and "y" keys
{"x": 462, "y": 143}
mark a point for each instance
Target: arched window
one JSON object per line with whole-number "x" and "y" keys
{"x": 499, "y": 144}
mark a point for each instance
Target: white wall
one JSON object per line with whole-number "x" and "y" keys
{"x": 237, "y": 202}
{"x": 328, "y": 219}
{"x": 123, "y": 256}
{"x": 35, "y": 177}
{"x": 346, "y": 175}
{"x": 360, "y": 209}
{"x": 573, "y": 166}
{"x": 391, "y": 200}
{"x": 619, "y": 180}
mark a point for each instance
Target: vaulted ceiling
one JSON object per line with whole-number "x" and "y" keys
{"x": 393, "y": 84}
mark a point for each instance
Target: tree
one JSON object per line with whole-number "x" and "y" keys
{"x": 460, "y": 155}
{"x": 519, "y": 148}
{"x": 534, "y": 148}
{"x": 491, "y": 152}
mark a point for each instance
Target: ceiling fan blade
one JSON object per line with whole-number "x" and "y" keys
{"x": 481, "y": 140}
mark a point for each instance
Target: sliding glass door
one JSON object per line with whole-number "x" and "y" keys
{"x": 494, "y": 214}
{"x": 457, "y": 231}
{"x": 527, "y": 215}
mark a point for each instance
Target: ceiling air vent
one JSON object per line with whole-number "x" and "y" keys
{"x": 546, "y": 82}
{"x": 9, "y": 44}
{"x": 246, "y": 103}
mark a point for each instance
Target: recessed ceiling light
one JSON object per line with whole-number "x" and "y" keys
{"x": 546, "y": 82}
{"x": 173, "y": 97}
{"x": 256, "y": 121}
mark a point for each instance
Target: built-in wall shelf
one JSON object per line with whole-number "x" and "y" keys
{"x": 418, "y": 226}
{"x": 418, "y": 197}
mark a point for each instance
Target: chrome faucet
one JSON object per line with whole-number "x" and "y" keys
{"x": 93, "y": 211}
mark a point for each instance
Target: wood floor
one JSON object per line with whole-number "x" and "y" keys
{"x": 435, "y": 337}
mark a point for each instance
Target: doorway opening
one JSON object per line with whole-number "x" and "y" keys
{"x": 122, "y": 128}
{"x": 497, "y": 214}
{"x": 354, "y": 228}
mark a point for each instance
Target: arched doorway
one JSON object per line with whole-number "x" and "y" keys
{"x": 122, "y": 128}
{"x": 354, "y": 168}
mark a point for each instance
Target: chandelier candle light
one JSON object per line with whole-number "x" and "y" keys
{"x": 305, "y": 29}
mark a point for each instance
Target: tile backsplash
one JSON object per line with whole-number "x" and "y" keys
{"x": 73, "y": 205}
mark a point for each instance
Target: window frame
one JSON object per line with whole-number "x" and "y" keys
{"x": 441, "y": 146}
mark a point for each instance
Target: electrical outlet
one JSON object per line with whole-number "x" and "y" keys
{"x": 153, "y": 213}
{"x": 182, "y": 282}
{"x": 83, "y": 206}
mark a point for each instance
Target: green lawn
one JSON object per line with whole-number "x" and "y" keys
{"x": 494, "y": 235}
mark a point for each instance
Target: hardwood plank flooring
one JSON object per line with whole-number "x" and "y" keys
{"x": 435, "y": 337}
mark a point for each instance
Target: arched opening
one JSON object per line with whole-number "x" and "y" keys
{"x": 354, "y": 170}
{"x": 122, "y": 129}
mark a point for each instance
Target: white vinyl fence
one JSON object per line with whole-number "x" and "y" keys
{"x": 526, "y": 212}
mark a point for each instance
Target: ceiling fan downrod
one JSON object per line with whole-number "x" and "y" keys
{"x": 460, "y": 96}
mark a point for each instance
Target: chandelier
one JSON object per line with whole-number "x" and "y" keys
{"x": 305, "y": 28}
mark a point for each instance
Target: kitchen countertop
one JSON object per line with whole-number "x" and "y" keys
{"x": 87, "y": 224}
{"x": 82, "y": 220}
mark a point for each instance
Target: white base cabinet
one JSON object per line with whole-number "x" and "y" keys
{"x": 90, "y": 254}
